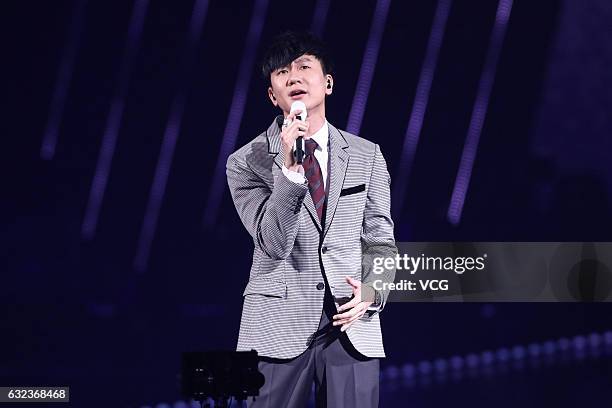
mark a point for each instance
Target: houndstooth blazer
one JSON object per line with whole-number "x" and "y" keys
{"x": 283, "y": 299}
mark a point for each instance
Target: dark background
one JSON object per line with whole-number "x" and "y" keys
{"x": 86, "y": 308}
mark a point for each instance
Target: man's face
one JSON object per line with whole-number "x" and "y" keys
{"x": 302, "y": 80}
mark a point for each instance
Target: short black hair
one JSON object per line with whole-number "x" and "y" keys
{"x": 290, "y": 45}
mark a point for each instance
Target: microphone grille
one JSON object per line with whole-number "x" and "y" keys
{"x": 299, "y": 105}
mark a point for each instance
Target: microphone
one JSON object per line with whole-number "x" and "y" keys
{"x": 298, "y": 145}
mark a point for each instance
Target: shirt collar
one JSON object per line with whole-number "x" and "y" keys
{"x": 321, "y": 136}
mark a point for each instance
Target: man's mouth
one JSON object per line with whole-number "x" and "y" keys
{"x": 297, "y": 92}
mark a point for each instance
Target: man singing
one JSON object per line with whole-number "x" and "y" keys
{"x": 310, "y": 307}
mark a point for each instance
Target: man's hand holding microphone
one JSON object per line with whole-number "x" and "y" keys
{"x": 294, "y": 127}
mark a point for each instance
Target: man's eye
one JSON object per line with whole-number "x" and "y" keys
{"x": 281, "y": 71}
{"x": 305, "y": 66}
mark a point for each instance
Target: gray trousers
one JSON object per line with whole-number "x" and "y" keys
{"x": 342, "y": 376}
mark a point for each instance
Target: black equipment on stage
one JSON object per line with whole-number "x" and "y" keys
{"x": 220, "y": 375}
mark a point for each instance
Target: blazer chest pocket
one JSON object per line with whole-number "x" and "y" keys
{"x": 352, "y": 190}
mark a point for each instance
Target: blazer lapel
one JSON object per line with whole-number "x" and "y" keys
{"x": 338, "y": 162}
{"x": 274, "y": 147}
{"x": 312, "y": 210}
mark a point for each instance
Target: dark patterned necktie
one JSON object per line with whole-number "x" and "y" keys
{"x": 312, "y": 172}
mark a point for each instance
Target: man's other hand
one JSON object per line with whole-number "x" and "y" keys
{"x": 355, "y": 308}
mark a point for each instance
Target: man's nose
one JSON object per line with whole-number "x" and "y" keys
{"x": 294, "y": 78}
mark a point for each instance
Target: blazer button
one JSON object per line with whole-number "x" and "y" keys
{"x": 324, "y": 249}
{"x": 320, "y": 285}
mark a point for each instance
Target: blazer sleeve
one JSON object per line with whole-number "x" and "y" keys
{"x": 377, "y": 239}
{"x": 271, "y": 216}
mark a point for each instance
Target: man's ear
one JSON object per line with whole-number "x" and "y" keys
{"x": 329, "y": 84}
{"x": 272, "y": 97}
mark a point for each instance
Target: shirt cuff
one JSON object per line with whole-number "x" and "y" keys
{"x": 374, "y": 308}
{"x": 294, "y": 176}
